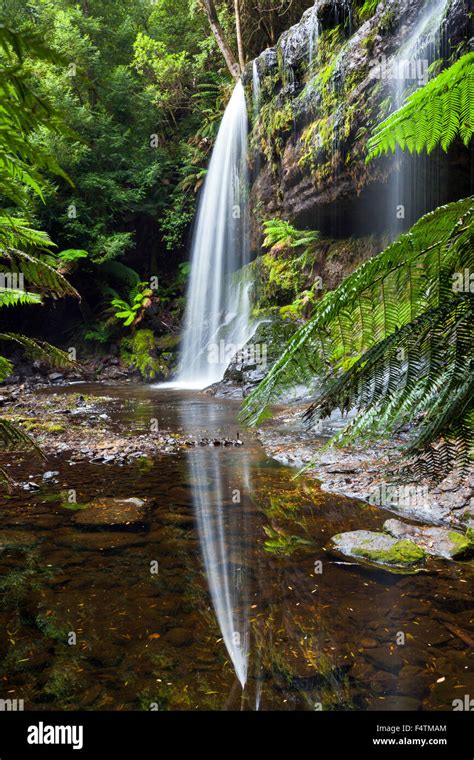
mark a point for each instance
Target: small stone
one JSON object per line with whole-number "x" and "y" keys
{"x": 368, "y": 643}
{"x": 178, "y": 637}
{"x": 31, "y": 487}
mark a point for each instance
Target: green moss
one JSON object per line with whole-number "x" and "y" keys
{"x": 37, "y": 425}
{"x": 139, "y": 352}
{"x": 274, "y": 123}
{"x": 168, "y": 342}
{"x": 368, "y": 9}
{"x": 55, "y": 428}
{"x": 401, "y": 553}
{"x": 462, "y": 544}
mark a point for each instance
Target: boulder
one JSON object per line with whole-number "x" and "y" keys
{"x": 436, "y": 541}
{"x": 378, "y": 548}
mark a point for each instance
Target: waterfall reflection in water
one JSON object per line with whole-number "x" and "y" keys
{"x": 221, "y": 522}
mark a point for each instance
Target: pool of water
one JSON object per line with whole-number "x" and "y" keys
{"x": 228, "y": 599}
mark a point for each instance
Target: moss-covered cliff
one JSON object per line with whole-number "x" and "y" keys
{"x": 322, "y": 89}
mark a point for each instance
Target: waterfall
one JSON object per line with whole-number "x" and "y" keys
{"x": 217, "y": 320}
{"x": 313, "y": 33}
{"x": 415, "y": 187}
{"x": 255, "y": 88}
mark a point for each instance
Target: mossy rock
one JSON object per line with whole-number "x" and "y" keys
{"x": 168, "y": 342}
{"x": 434, "y": 540}
{"x": 379, "y": 548}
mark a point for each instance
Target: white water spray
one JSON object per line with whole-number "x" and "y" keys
{"x": 313, "y": 33}
{"x": 255, "y": 88}
{"x": 409, "y": 70}
{"x": 218, "y": 301}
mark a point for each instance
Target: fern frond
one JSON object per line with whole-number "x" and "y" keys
{"x": 41, "y": 350}
{"x": 394, "y": 341}
{"x": 436, "y": 114}
{"x": 412, "y": 275}
{"x": 121, "y": 272}
{"x": 13, "y": 438}
{"x": 39, "y": 273}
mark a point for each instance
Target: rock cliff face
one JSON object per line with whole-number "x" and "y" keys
{"x": 322, "y": 89}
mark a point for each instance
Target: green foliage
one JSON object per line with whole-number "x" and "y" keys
{"x": 98, "y": 332}
{"x": 273, "y": 125}
{"x": 139, "y": 351}
{"x": 436, "y": 114}
{"x": 284, "y": 276}
{"x": 279, "y": 232}
{"x": 21, "y": 114}
{"x": 38, "y": 349}
{"x": 71, "y": 255}
{"x": 25, "y": 253}
{"x": 394, "y": 341}
{"x": 368, "y": 9}
{"x": 132, "y": 312}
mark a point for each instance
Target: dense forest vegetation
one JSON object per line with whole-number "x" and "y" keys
{"x": 110, "y": 121}
{"x": 281, "y": 189}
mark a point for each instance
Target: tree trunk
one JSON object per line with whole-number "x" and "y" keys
{"x": 238, "y": 26}
{"x": 218, "y": 33}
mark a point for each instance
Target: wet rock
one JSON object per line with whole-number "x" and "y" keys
{"x": 100, "y": 541}
{"x": 50, "y": 475}
{"x": 412, "y": 681}
{"x": 387, "y": 658}
{"x": 112, "y": 513}
{"x": 378, "y": 548}
{"x": 332, "y": 12}
{"x": 448, "y": 688}
{"x": 383, "y": 682}
{"x": 31, "y": 486}
{"x": 361, "y": 671}
{"x": 178, "y": 637}
{"x": 436, "y": 541}
{"x": 55, "y": 377}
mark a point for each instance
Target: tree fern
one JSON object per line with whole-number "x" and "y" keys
{"x": 436, "y": 114}
{"x": 24, "y": 251}
{"x": 392, "y": 340}
{"x": 21, "y": 113}
{"x": 280, "y": 232}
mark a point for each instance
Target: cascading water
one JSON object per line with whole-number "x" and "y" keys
{"x": 416, "y": 184}
{"x": 313, "y": 34}
{"x": 217, "y": 321}
{"x": 255, "y": 88}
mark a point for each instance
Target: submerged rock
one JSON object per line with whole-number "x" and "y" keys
{"x": 379, "y": 548}
{"x": 436, "y": 541}
{"x": 112, "y": 513}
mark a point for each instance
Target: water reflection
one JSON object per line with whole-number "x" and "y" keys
{"x": 222, "y": 524}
